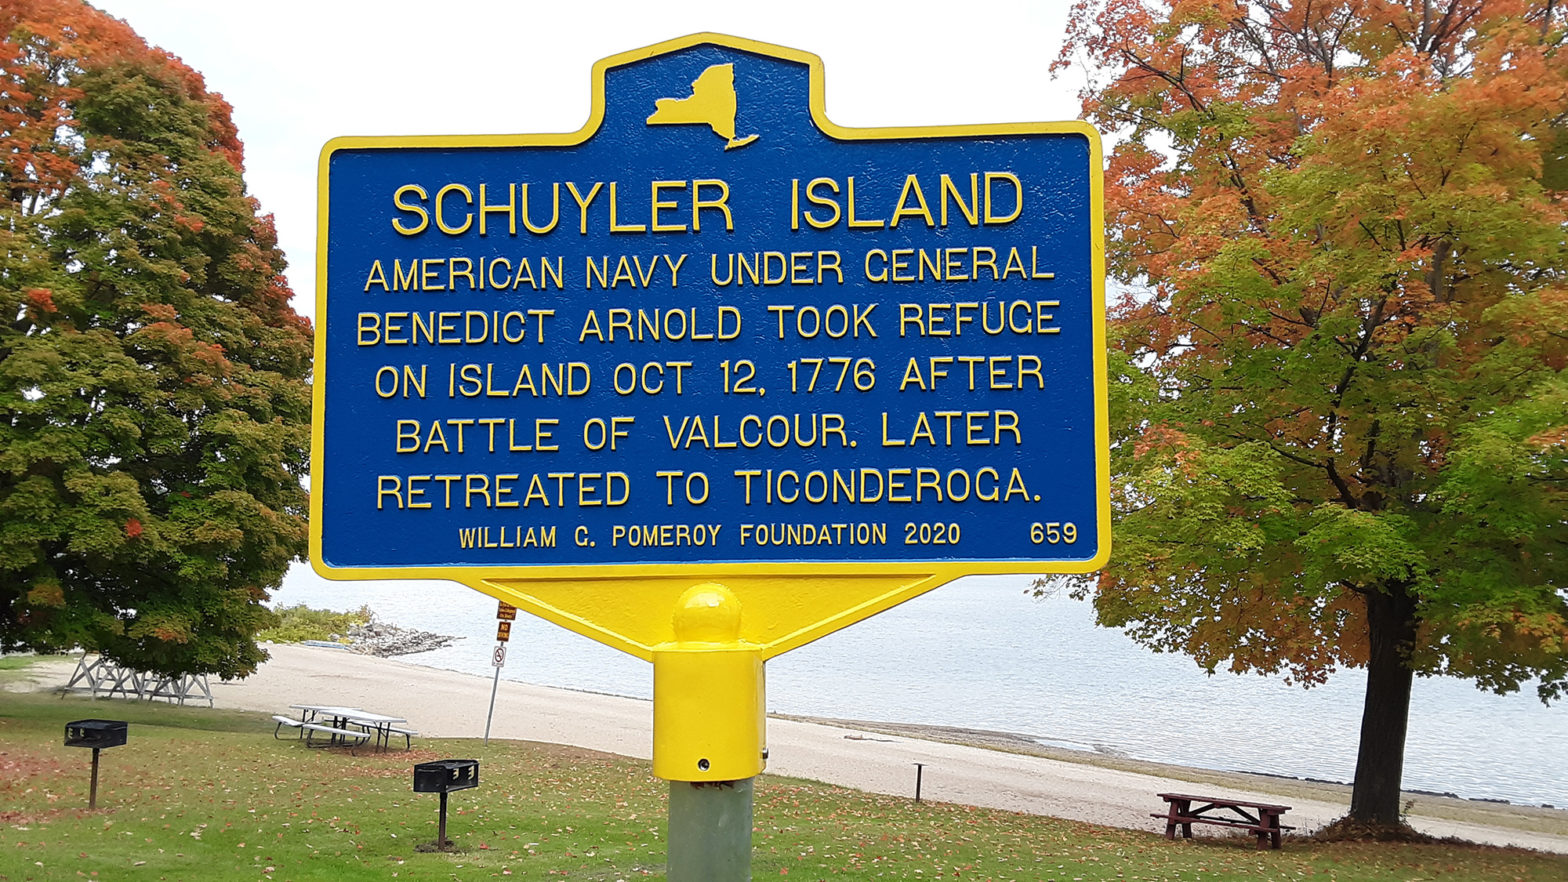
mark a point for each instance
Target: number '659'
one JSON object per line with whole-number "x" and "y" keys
{"x": 1053, "y": 533}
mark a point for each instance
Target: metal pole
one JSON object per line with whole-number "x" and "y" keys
{"x": 710, "y": 831}
{"x": 919, "y": 769}
{"x": 491, "y": 715}
{"x": 92, "y": 794}
{"x": 441, "y": 842}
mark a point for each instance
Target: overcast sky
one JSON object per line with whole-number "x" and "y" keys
{"x": 299, "y": 73}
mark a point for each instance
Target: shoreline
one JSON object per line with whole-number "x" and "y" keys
{"x": 1016, "y": 742}
{"x": 941, "y": 659}
{"x": 1551, "y": 820}
{"x": 967, "y": 766}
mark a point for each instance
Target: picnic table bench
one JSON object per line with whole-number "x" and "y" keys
{"x": 335, "y": 735}
{"x": 292, "y": 723}
{"x": 408, "y": 735}
{"x": 1259, "y": 817}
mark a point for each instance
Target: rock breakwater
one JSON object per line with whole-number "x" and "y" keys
{"x": 382, "y": 639}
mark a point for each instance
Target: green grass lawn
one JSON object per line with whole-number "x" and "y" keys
{"x": 208, "y": 795}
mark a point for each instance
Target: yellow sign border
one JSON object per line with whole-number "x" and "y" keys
{"x": 545, "y": 590}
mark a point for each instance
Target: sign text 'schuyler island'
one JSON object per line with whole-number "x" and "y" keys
{"x": 712, "y": 327}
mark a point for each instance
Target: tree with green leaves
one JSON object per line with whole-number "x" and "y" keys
{"x": 154, "y": 409}
{"x": 1339, "y": 411}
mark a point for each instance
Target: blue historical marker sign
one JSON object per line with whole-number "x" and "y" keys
{"x": 711, "y": 327}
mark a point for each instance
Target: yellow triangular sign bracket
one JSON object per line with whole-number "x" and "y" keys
{"x": 708, "y": 641}
{"x": 635, "y": 614}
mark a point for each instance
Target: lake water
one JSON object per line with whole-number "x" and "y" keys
{"x": 979, "y": 653}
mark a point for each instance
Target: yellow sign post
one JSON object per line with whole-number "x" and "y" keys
{"x": 708, "y": 642}
{"x": 711, "y": 377}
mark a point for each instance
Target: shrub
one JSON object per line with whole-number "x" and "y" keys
{"x": 300, "y": 622}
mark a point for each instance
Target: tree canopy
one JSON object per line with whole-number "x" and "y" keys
{"x": 154, "y": 410}
{"x": 1339, "y": 408}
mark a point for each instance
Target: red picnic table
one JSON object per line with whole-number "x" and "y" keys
{"x": 1261, "y": 818}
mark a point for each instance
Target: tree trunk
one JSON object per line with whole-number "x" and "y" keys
{"x": 1380, "y": 762}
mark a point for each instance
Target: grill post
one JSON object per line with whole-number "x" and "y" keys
{"x": 441, "y": 840}
{"x": 92, "y": 793}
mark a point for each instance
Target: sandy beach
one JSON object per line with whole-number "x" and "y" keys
{"x": 973, "y": 768}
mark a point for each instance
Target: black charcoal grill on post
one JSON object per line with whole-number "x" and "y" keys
{"x": 443, "y": 777}
{"x": 96, "y": 734}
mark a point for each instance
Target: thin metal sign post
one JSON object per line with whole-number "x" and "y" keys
{"x": 505, "y": 615}
{"x": 498, "y": 659}
{"x": 711, "y": 378}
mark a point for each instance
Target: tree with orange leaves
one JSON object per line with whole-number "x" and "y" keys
{"x": 1339, "y": 406}
{"x": 154, "y": 412}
